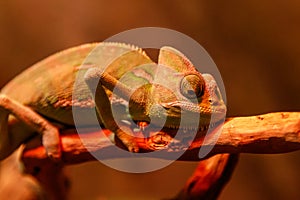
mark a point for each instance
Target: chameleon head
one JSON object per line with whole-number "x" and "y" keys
{"x": 191, "y": 101}
{"x": 171, "y": 94}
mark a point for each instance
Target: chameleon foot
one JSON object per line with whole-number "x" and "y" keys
{"x": 128, "y": 140}
{"x": 51, "y": 142}
{"x": 133, "y": 147}
{"x": 50, "y": 133}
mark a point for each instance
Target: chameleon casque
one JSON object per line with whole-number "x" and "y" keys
{"x": 40, "y": 100}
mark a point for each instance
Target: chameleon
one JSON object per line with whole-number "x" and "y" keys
{"x": 97, "y": 77}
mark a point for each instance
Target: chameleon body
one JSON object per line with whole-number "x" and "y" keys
{"x": 95, "y": 76}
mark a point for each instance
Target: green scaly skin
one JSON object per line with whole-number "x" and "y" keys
{"x": 168, "y": 91}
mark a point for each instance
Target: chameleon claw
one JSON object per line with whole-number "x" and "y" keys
{"x": 53, "y": 152}
{"x": 51, "y": 143}
{"x": 133, "y": 148}
{"x": 131, "y": 145}
{"x": 54, "y": 156}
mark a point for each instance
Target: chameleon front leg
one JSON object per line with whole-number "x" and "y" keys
{"x": 95, "y": 81}
{"x": 9, "y": 143}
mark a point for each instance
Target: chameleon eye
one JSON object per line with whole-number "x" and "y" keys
{"x": 192, "y": 86}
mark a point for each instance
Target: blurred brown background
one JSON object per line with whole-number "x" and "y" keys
{"x": 255, "y": 44}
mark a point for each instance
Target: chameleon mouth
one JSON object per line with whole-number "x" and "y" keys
{"x": 178, "y": 107}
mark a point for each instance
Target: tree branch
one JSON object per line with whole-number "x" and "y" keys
{"x": 209, "y": 178}
{"x": 269, "y": 133}
{"x": 265, "y": 134}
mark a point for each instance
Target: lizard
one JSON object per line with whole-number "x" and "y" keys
{"x": 40, "y": 99}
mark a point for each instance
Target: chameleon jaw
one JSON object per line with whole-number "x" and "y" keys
{"x": 179, "y": 106}
{"x": 188, "y": 116}
{"x": 180, "y": 116}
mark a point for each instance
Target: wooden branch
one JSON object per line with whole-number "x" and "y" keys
{"x": 268, "y": 133}
{"x": 209, "y": 178}
{"x": 263, "y": 134}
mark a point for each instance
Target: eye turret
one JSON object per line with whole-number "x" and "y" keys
{"x": 192, "y": 86}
